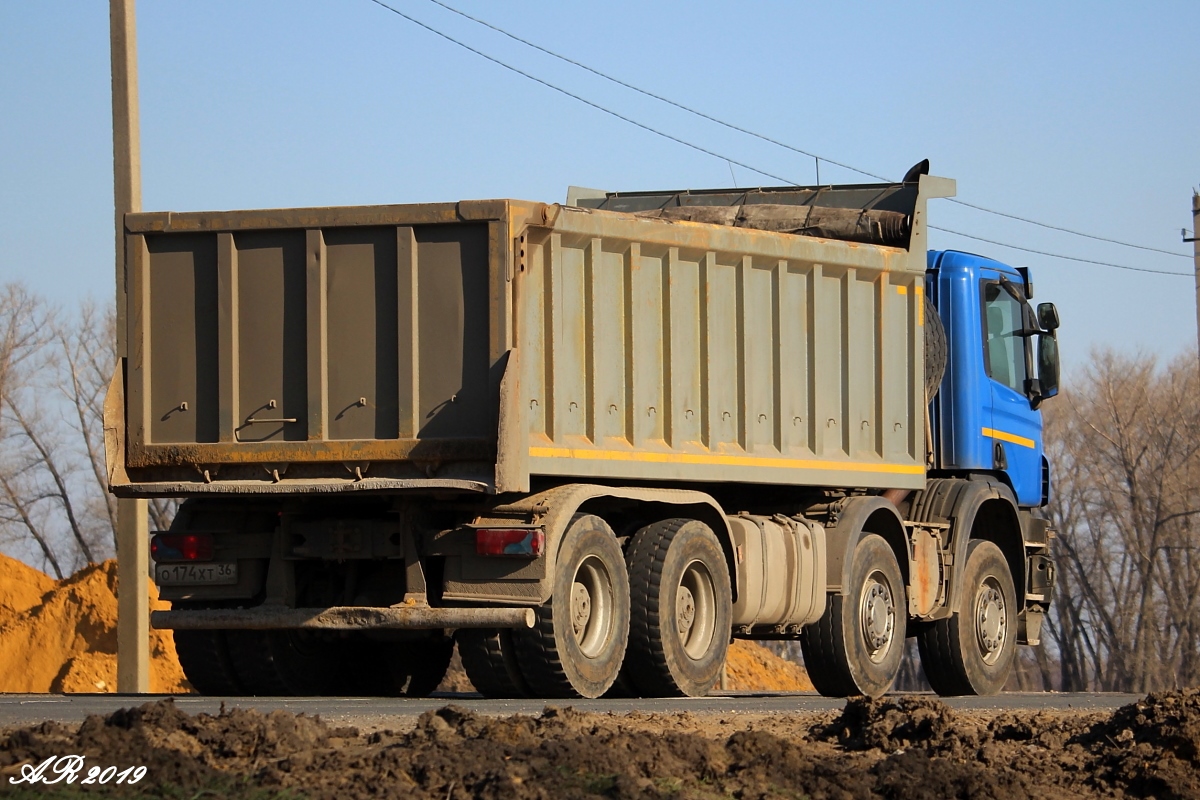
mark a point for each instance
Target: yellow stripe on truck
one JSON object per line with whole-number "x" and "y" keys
{"x": 1009, "y": 437}
{"x": 721, "y": 460}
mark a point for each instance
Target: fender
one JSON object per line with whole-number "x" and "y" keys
{"x": 841, "y": 538}
{"x": 957, "y": 501}
{"x": 555, "y": 508}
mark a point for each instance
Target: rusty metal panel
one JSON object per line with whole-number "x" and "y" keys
{"x": 455, "y": 394}
{"x": 272, "y": 336}
{"x": 683, "y": 351}
{"x": 363, "y": 360}
{"x": 364, "y": 343}
{"x": 183, "y": 332}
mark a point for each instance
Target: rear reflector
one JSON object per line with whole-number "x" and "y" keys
{"x": 519, "y": 542}
{"x": 182, "y": 547}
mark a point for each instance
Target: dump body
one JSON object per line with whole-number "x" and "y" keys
{"x": 478, "y": 345}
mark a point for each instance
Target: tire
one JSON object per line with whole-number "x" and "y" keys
{"x": 855, "y": 648}
{"x": 935, "y": 350}
{"x": 406, "y": 668}
{"x": 283, "y": 663}
{"x": 576, "y": 647}
{"x": 418, "y": 667}
{"x": 490, "y": 660}
{"x": 204, "y": 656}
{"x": 972, "y": 652}
{"x": 681, "y": 610}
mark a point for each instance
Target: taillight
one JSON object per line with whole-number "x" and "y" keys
{"x": 518, "y": 542}
{"x": 182, "y": 547}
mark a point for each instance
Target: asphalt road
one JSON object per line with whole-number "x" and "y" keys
{"x": 399, "y": 713}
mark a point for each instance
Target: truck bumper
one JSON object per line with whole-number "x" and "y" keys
{"x": 342, "y": 618}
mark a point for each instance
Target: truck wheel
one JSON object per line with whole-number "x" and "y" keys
{"x": 935, "y": 350}
{"x": 204, "y": 656}
{"x": 407, "y": 668}
{"x": 283, "y": 663}
{"x": 972, "y": 651}
{"x": 681, "y": 610}
{"x": 576, "y": 647}
{"x": 856, "y": 646}
{"x": 419, "y": 666}
{"x": 490, "y": 660}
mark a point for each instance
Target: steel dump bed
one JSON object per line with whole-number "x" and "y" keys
{"x": 760, "y": 337}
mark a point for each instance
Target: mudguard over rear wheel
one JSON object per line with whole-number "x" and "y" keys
{"x": 972, "y": 652}
{"x": 856, "y": 646}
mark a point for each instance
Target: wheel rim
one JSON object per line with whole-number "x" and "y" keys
{"x": 696, "y": 610}
{"x": 991, "y": 620}
{"x": 592, "y": 606}
{"x": 878, "y": 616}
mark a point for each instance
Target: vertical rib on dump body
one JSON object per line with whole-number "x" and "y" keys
{"x": 471, "y": 346}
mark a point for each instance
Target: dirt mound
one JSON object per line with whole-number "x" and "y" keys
{"x": 891, "y": 724}
{"x": 1152, "y": 746}
{"x": 750, "y": 667}
{"x": 66, "y": 640}
{"x": 894, "y": 749}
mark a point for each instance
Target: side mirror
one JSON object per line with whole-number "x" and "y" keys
{"x": 1047, "y": 359}
{"x": 1047, "y": 316}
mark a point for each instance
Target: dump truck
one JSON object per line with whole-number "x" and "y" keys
{"x": 589, "y": 443}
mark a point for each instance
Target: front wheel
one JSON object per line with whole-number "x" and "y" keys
{"x": 681, "y": 610}
{"x": 856, "y": 646}
{"x": 972, "y": 651}
{"x": 578, "y": 642}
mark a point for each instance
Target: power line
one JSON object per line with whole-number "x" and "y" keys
{"x": 714, "y": 154}
{"x": 1059, "y": 255}
{"x": 654, "y": 96}
{"x": 776, "y": 142}
{"x": 583, "y": 100}
{"x": 1067, "y": 230}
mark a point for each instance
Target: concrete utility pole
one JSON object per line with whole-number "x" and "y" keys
{"x": 133, "y": 558}
{"x": 1195, "y": 240}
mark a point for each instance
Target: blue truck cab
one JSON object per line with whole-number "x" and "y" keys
{"x": 1002, "y": 362}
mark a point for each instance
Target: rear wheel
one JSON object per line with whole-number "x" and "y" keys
{"x": 284, "y": 662}
{"x": 681, "y": 610}
{"x": 204, "y": 656}
{"x": 972, "y": 652}
{"x": 490, "y": 660}
{"x": 856, "y": 646}
{"x": 405, "y": 668}
{"x": 577, "y": 645}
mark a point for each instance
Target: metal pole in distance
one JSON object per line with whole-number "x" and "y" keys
{"x": 1196, "y": 257}
{"x": 133, "y": 562}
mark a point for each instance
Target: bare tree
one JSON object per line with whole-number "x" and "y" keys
{"x": 1126, "y": 450}
{"x": 55, "y": 368}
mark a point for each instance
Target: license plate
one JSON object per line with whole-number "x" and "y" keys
{"x": 222, "y": 574}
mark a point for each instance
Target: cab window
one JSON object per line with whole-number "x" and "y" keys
{"x": 1003, "y": 346}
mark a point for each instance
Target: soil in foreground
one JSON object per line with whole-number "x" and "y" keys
{"x": 908, "y": 747}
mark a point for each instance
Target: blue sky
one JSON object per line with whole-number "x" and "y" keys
{"x": 1082, "y": 115}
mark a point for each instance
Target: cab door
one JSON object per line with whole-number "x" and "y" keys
{"x": 1016, "y": 428}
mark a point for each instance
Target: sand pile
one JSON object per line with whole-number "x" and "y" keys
{"x": 61, "y": 636}
{"x": 750, "y": 667}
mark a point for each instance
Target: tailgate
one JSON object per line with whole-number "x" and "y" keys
{"x": 315, "y": 348}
